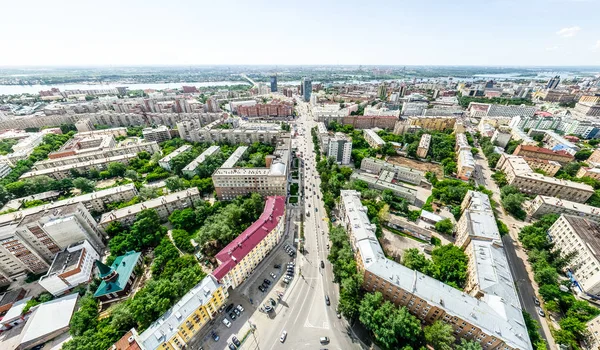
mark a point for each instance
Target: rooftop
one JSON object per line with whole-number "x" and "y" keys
{"x": 49, "y": 317}
{"x": 386, "y": 184}
{"x": 175, "y": 153}
{"x": 235, "y": 251}
{"x": 78, "y": 165}
{"x": 557, "y": 202}
{"x": 373, "y": 135}
{"x": 201, "y": 158}
{"x": 587, "y": 230}
{"x": 15, "y": 311}
{"x": 168, "y": 324}
{"x": 124, "y": 266}
{"x": 425, "y": 141}
{"x": 235, "y": 157}
{"x": 543, "y": 150}
{"x": 394, "y": 166}
{"x": 466, "y": 158}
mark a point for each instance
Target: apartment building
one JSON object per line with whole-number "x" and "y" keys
{"x": 594, "y": 157}
{"x": 385, "y": 181}
{"x": 323, "y": 136}
{"x": 579, "y": 236}
{"x": 461, "y": 142}
{"x": 165, "y": 162}
{"x": 519, "y": 174}
{"x": 266, "y": 110}
{"x": 492, "y": 322}
{"x": 65, "y": 171}
{"x": 5, "y": 169}
{"x": 549, "y": 167}
{"x": 594, "y": 173}
{"x": 401, "y": 173}
{"x": 554, "y": 141}
{"x": 520, "y": 135}
{"x": 465, "y": 165}
{"x": 164, "y": 206}
{"x": 84, "y": 144}
{"x": 477, "y": 221}
{"x": 115, "y": 132}
{"x": 231, "y": 182}
{"x": 373, "y": 139}
{"x": 492, "y": 110}
{"x": 432, "y": 122}
{"x": 340, "y": 148}
{"x": 423, "y": 146}
{"x": 588, "y": 105}
{"x": 542, "y": 205}
{"x": 70, "y": 268}
{"x": 240, "y": 257}
{"x": 190, "y": 169}
{"x": 128, "y": 148}
{"x": 543, "y": 153}
{"x": 414, "y": 108}
{"x": 29, "y": 242}
{"x": 159, "y": 134}
{"x": 174, "y": 329}
{"x": 535, "y": 122}
{"x": 84, "y": 125}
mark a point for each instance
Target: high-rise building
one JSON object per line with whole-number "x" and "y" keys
{"x": 306, "y": 89}
{"x": 403, "y": 90}
{"x": 382, "y": 92}
{"x": 489, "y": 84}
{"x": 274, "y": 83}
{"x": 553, "y": 82}
{"x": 340, "y": 148}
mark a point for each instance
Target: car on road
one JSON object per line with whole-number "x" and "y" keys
{"x": 236, "y": 341}
{"x": 215, "y": 336}
{"x": 273, "y": 275}
{"x": 322, "y": 264}
{"x": 261, "y": 288}
{"x": 283, "y": 336}
{"x": 536, "y": 301}
{"x": 277, "y": 266}
{"x": 324, "y": 340}
{"x": 327, "y": 300}
{"x": 226, "y": 322}
{"x": 541, "y": 313}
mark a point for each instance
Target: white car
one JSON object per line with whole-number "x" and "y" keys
{"x": 283, "y": 336}
{"x": 226, "y": 322}
{"x": 239, "y": 307}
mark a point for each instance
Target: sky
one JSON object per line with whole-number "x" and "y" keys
{"x": 293, "y": 32}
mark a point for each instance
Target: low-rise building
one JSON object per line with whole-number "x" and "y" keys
{"x": 165, "y": 162}
{"x": 158, "y": 134}
{"x": 501, "y": 137}
{"x": 164, "y": 206}
{"x": 70, "y": 268}
{"x": 519, "y": 174}
{"x": 593, "y": 338}
{"x": 8, "y": 300}
{"x": 594, "y": 173}
{"x": 542, "y": 205}
{"x": 84, "y": 144}
{"x": 15, "y": 316}
{"x": 240, "y": 257}
{"x": 461, "y": 142}
{"x": 190, "y": 169}
{"x": 117, "y": 279}
{"x": 176, "y": 327}
{"x": 543, "y": 153}
{"x": 385, "y": 181}
{"x": 340, "y": 148}
{"x": 401, "y": 173}
{"x": 323, "y": 136}
{"x": 490, "y": 321}
{"x": 520, "y": 135}
{"x": 424, "y": 146}
{"x": 578, "y": 237}
{"x": 477, "y": 221}
{"x": 373, "y": 139}
{"x": 465, "y": 165}
{"x": 556, "y": 142}
{"x": 415, "y": 229}
{"x": 594, "y": 157}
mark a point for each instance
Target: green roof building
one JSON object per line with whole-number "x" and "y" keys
{"x": 117, "y": 279}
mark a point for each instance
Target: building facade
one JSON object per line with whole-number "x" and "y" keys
{"x": 165, "y": 162}
{"x": 543, "y": 153}
{"x": 373, "y": 139}
{"x": 158, "y": 134}
{"x": 542, "y": 205}
{"x": 401, "y": 173}
{"x": 340, "y": 148}
{"x": 424, "y": 146}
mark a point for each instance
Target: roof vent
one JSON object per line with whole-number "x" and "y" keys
{"x": 130, "y": 340}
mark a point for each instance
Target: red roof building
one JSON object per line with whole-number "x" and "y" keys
{"x": 247, "y": 247}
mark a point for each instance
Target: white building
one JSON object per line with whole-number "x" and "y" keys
{"x": 158, "y": 134}
{"x": 71, "y": 267}
{"x": 165, "y": 162}
{"x": 340, "y": 148}
{"x": 373, "y": 139}
{"x": 190, "y": 169}
{"x": 401, "y": 173}
{"x": 84, "y": 125}
{"x": 5, "y": 169}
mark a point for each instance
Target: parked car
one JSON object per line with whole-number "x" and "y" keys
{"x": 266, "y": 281}
{"x": 229, "y": 307}
{"x": 237, "y": 312}
{"x": 327, "y": 300}
{"x": 322, "y": 264}
{"x": 231, "y": 346}
{"x": 536, "y": 301}
{"x": 274, "y": 276}
{"x": 239, "y": 307}
{"x": 236, "y": 341}
{"x": 272, "y": 301}
{"x": 541, "y": 313}
{"x": 261, "y": 288}
{"x": 226, "y": 322}
{"x": 232, "y": 316}
{"x": 215, "y": 336}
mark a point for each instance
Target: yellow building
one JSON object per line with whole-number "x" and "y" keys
{"x": 432, "y": 123}
{"x": 178, "y": 325}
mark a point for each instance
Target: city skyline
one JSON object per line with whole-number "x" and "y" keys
{"x": 497, "y": 33}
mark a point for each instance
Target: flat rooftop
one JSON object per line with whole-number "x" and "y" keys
{"x": 78, "y": 165}
{"x": 234, "y": 157}
{"x": 201, "y": 158}
{"x": 574, "y": 206}
{"x": 588, "y": 231}
{"x": 175, "y": 153}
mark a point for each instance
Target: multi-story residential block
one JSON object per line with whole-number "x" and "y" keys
{"x": 116, "y": 132}
{"x": 190, "y": 169}
{"x": 158, "y": 134}
{"x": 520, "y": 135}
{"x": 165, "y": 162}
{"x": 323, "y": 136}
{"x": 240, "y": 257}
{"x": 461, "y": 142}
{"x": 477, "y": 221}
{"x": 118, "y": 279}
{"x": 491, "y": 322}
{"x": 84, "y": 144}
{"x": 432, "y": 122}
{"x": 71, "y": 267}
{"x": 129, "y": 148}
{"x": 424, "y": 146}
{"x": 373, "y": 139}
{"x": 542, "y": 205}
{"x": 519, "y": 174}
{"x": 401, "y": 173}
{"x": 476, "y": 109}
{"x": 84, "y": 125}
{"x": 65, "y": 171}
{"x": 562, "y": 157}
{"x": 385, "y": 181}
{"x": 535, "y": 122}
{"x": 29, "y": 242}
{"x": 588, "y": 105}
{"x": 549, "y": 167}
{"x": 5, "y": 169}
{"x": 557, "y": 96}
{"x": 594, "y": 157}
{"x": 231, "y": 182}
{"x": 163, "y": 205}
{"x": 340, "y": 148}
{"x": 414, "y": 108}
{"x": 266, "y": 110}
{"x": 594, "y": 173}
{"x": 176, "y": 327}
{"x": 465, "y": 165}
{"x": 578, "y": 236}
